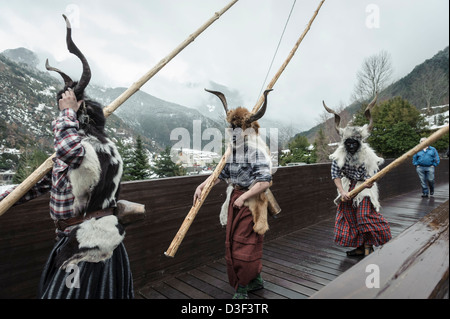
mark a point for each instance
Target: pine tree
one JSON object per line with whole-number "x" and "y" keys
{"x": 299, "y": 152}
{"x": 165, "y": 167}
{"x": 397, "y": 127}
{"x": 126, "y": 152}
{"x": 139, "y": 166}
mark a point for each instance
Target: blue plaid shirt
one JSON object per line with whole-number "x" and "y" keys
{"x": 351, "y": 172}
{"x": 247, "y": 168}
{"x": 69, "y": 155}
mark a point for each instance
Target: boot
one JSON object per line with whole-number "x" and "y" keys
{"x": 241, "y": 293}
{"x": 256, "y": 284}
{"x": 368, "y": 249}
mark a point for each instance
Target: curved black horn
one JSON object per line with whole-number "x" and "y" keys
{"x": 221, "y": 96}
{"x": 337, "y": 118}
{"x": 67, "y": 80}
{"x": 260, "y": 113}
{"x": 86, "y": 76}
{"x": 367, "y": 112}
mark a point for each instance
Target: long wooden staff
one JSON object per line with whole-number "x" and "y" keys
{"x": 171, "y": 251}
{"x": 430, "y": 140}
{"x": 45, "y": 167}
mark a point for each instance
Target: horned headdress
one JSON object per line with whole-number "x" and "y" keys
{"x": 359, "y": 133}
{"x": 91, "y": 113}
{"x": 79, "y": 86}
{"x": 241, "y": 117}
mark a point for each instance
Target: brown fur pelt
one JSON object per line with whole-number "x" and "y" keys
{"x": 239, "y": 117}
{"x": 258, "y": 206}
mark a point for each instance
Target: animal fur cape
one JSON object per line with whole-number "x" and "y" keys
{"x": 364, "y": 156}
{"x": 256, "y": 204}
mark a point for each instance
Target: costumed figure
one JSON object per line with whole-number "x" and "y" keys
{"x": 358, "y": 221}
{"x": 248, "y": 173}
{"x": 89, "y": 259}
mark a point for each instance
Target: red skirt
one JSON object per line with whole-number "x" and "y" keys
{"x": 358, "y": 225}
{"x": 243, "y": 247}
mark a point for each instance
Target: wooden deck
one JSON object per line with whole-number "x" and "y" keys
{"x": 297, "y": 265}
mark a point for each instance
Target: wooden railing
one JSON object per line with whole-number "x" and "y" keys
{"x": 305, "y": 194}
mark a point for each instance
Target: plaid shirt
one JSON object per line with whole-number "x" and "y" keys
{"x": 250, "y": 167}
{"x": 69, "y": 155}
{"x": 351, "y": 172}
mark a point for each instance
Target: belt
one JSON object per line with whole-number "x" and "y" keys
{"x": 240, "y": 188}
{"x": 62, "y": 224}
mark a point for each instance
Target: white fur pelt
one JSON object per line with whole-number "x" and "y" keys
{"x": 364, "y": 156}
{"x": 224, "y": 210}
{"x": 94, "y": 241}
{"x": 85, "y": 177}
{"x": 370, "y": 192}
{"x": 110, "y": 150}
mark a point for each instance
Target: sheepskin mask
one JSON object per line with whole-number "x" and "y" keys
{"x": 357, "y": 133}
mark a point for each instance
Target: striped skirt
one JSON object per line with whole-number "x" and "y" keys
{"x": 110, "y": 279}
{"x": 358, "y": 225}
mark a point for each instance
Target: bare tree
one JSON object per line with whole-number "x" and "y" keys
{"x": 373, "y": 76}
{"x": 322, "y": 147}
{"x": 285, "y": 133}
{"x": 431, "y": 86}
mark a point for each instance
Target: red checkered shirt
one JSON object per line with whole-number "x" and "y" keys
{"x": 69, "y": 155}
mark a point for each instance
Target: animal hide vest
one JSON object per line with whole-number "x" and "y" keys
{"x": 95, "y": 184}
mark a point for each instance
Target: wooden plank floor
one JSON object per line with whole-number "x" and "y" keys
{"x": 296, "y": 265}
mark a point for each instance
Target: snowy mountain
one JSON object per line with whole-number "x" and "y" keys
{"x": 152, "y": 117}
{"x": 28, "y": 105}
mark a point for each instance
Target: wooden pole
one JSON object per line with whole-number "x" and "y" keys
{"x": 26, "y": 185}
{"x": 45, "y": 167}
{"x": 430, "y": 140}
{"x": 171, "y": 251}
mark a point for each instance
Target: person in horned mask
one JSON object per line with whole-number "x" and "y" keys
{"x": 88, "y": 259}
{"x": 248, "y": 174}
{"x": 358, "y": 223}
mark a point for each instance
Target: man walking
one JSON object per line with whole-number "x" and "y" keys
{"x": 425, "y": 161}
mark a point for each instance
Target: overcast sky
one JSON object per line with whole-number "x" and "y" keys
{"x": 124, "y": 39}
